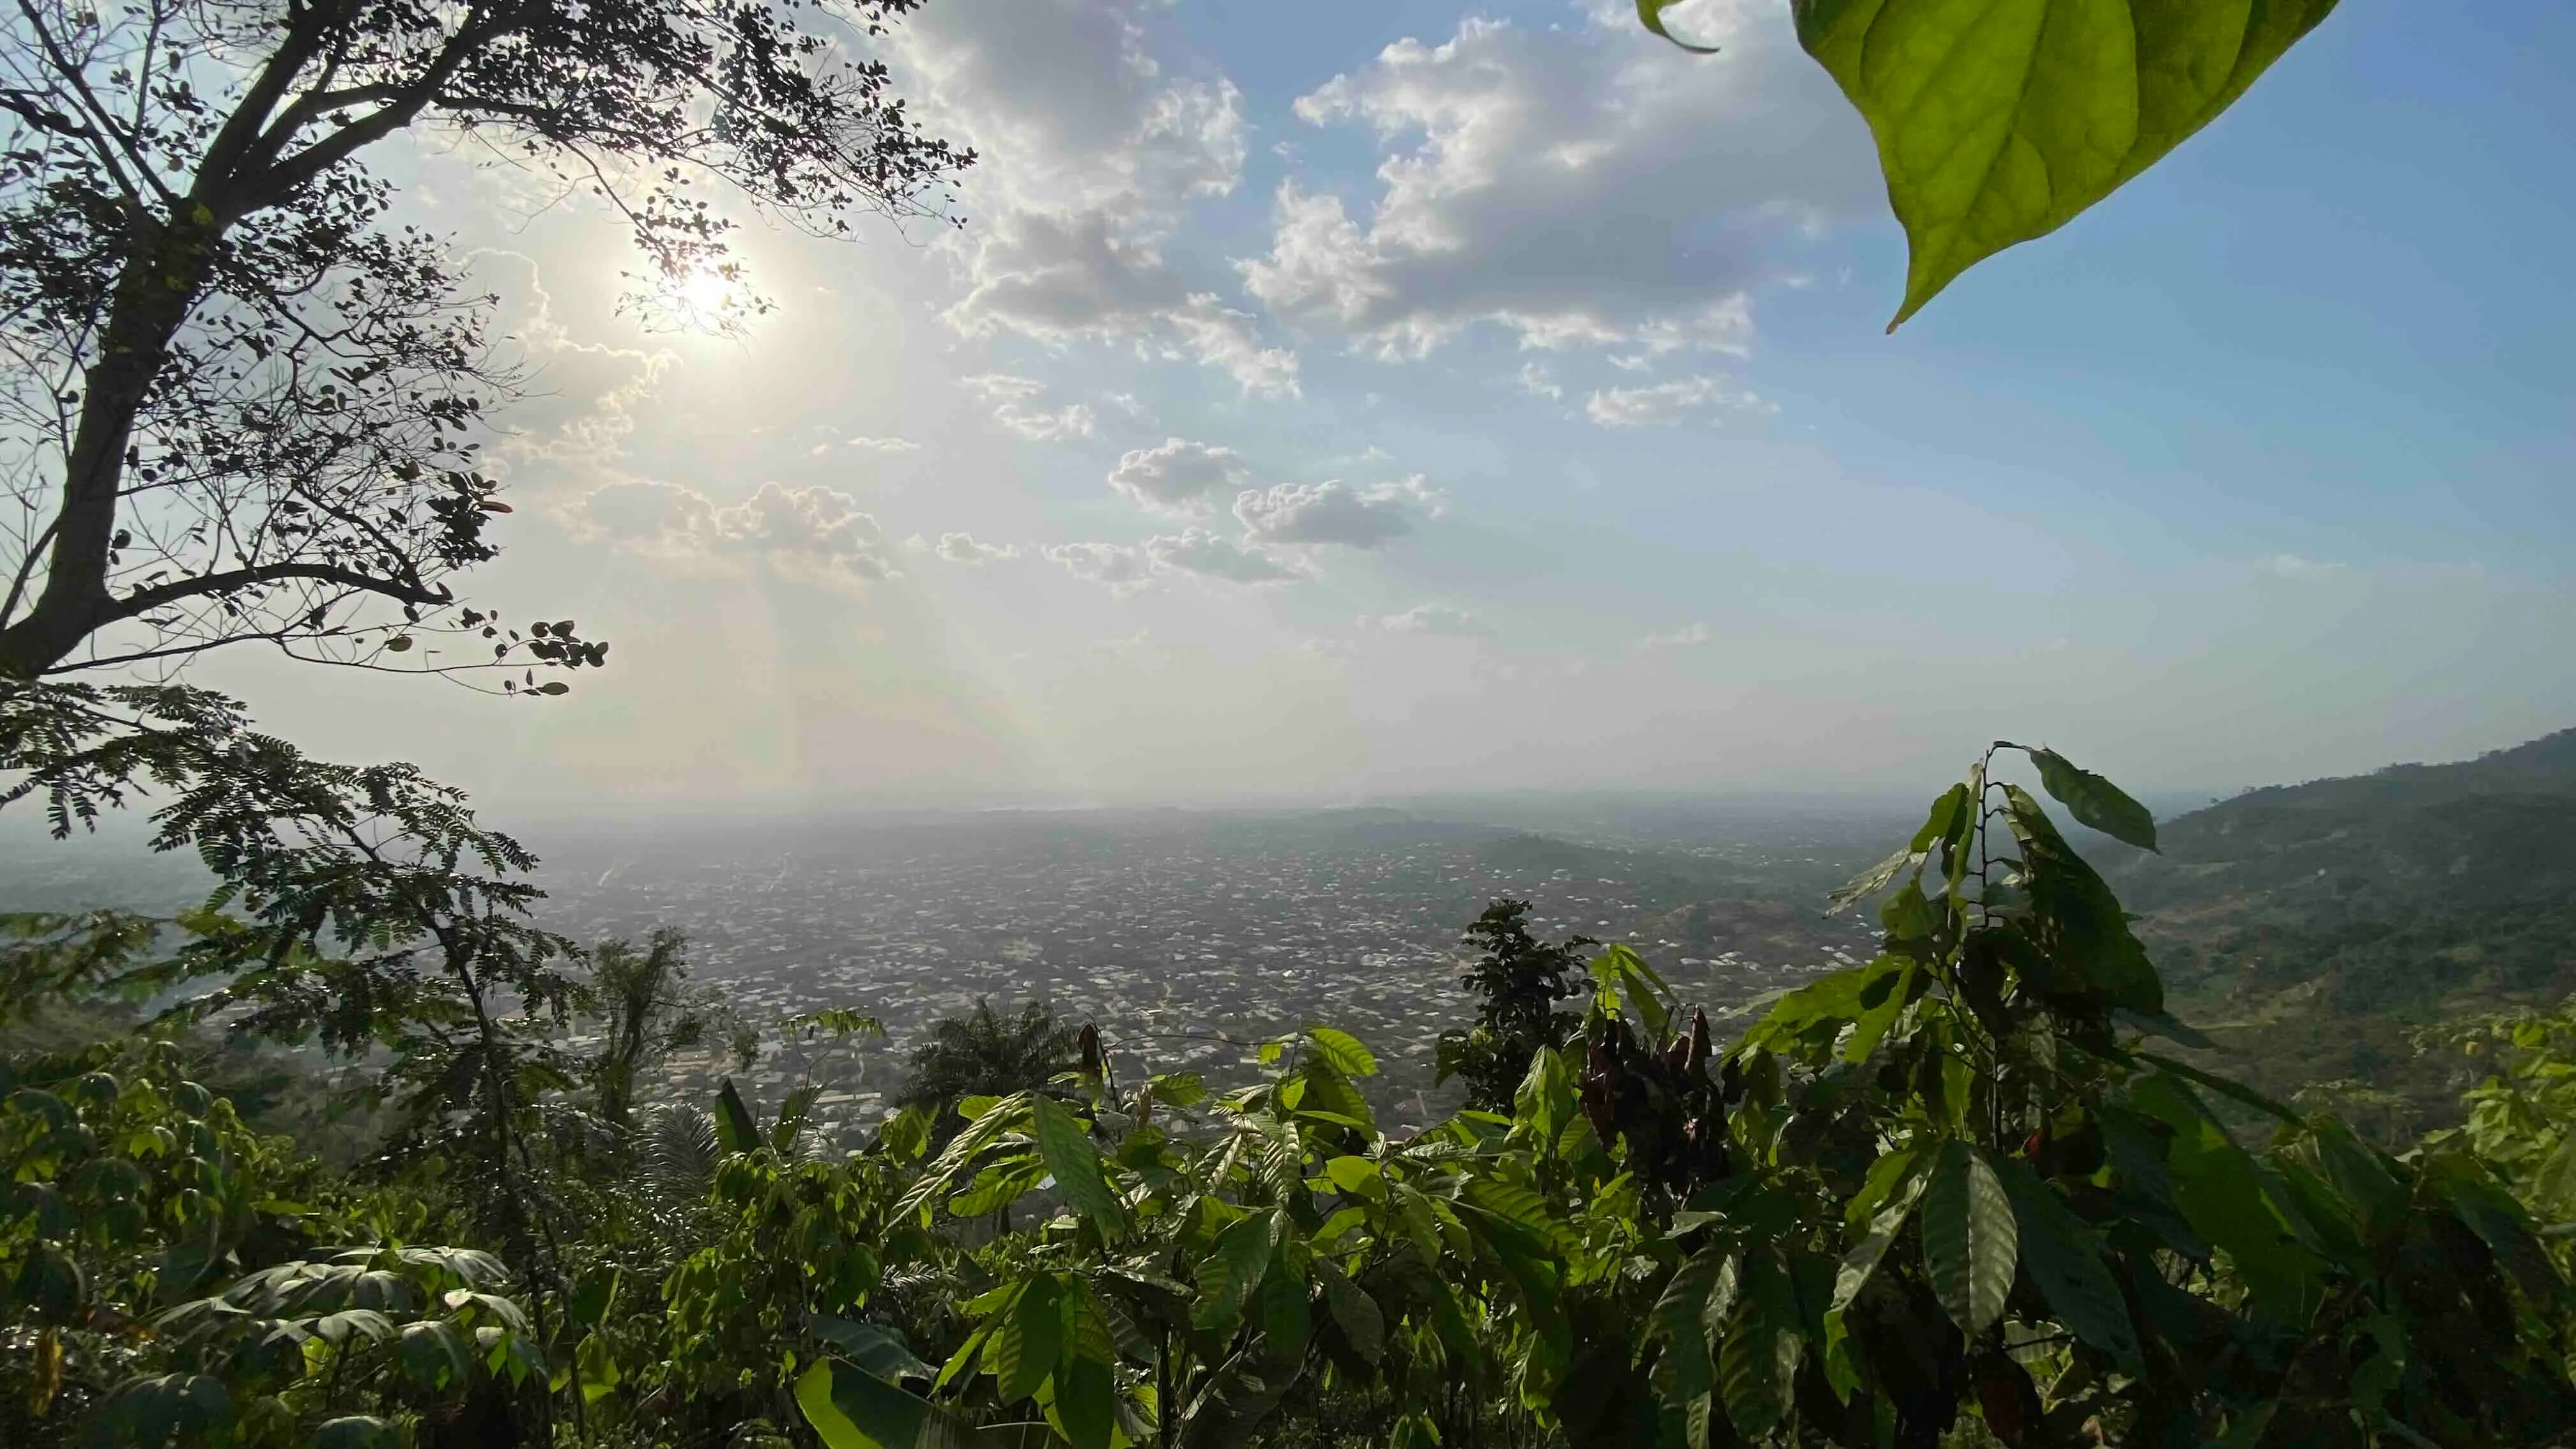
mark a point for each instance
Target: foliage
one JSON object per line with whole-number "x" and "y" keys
{"x": 162, "y": 1268}
{"x": 986, "y": 1054}
{"x": 240, "y": 404}
{"x": 1517, "y": 980}
{"x": 1951, "y": 1191}
{"x": 2000, "y": 123}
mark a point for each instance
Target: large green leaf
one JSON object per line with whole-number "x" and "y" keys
{"x": 2095, "y": 801}
{"x": 1086, "y": 1401}
{"x": 1228, "y": 1274}
{"x": 1343, "y": 1050}
{"x": 1066, "y": 1145}
{"x": 851, "y": 1409}
{"x": 1969, "y": 1238}
{"x": 2000, "y": 120}
{"x": 1025, "y": 1348}
{"x": 2065, "y": 1259}
{"x": 1354, "y": 1312}
{"x": 735, "y": 1128}
{"x": 1650, "y": 13}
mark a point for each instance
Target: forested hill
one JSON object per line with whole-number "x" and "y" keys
{"x": 2488, "y": 831}
{"x": 2317, "y": 927}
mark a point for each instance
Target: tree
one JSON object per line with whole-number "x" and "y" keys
{"x": 236, "y": 401}
{"x": 1518, "y": 980}
{"x": 985, "y": 1054}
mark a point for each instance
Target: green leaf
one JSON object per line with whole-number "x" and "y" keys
{"x": 1023, "y": 1352}
{"x": 596, "y": 1368}
{"x": 1650, "y": 14}
{"x": 432, "y": 1354}
{"x": 1862, "y": 1261}
{"x": 1353, "y": 1311}
{"x": 1229, "y": 1273}
{"x": 1343, "y": 1050}
{"x": 1069, "y": 1154}
{"x": 1676, "y": 1320}
{"x": 2094, "y": 801}
{"x": 1969, "y": 1241}
{"x": 2085, "y": 932}
{"x": 877, "y": 1350}
{"x": 2000, "y": 120}
{"x": 1086, "y": 1402}
{"x": 848, "y": 1409}
{"x": 1873, "y": 880}
{"x": 2065, "y": 1259}
{"x": 735, "y": 1129}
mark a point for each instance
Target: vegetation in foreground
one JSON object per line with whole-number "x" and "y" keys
{"x": 1964, "y": 1189}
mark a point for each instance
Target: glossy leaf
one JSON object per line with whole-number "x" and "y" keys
{"x": 1650, "y": 13}
{"x": 2064, "y": 1257}
{"x": 2095, "y": 801}
{"x": 734, "y": 1125}
{"x": 2001, "y": 120}
{"x": 1970, "y": 1241}
{"x": 1343, "y": 1050}
{"x": 1066, "y": 1144}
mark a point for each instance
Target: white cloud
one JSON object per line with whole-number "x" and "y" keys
{"x": 1666, "y": 402}
{"x": 814, "y": 532}
{"x": 1074, "y": 420}
{"x": 961, "y": 548}
{"x": 1059, "y": 277}
{"x": 1012, "y": 396}
{"x": 1322, "y": 513}
{"x": 1121, "y": 568}
{"x": 1090, "y": 152}
{"x": 1537, "y": 381}
{"x": 1178, "y": 475}
{"x": 882, "y": 445}
{"x": 1688, "y": 636}
{"x": 1197, "y": 551}
{"x": 1581, "y": 186}
{"x": 1429, "y": 619}
{"x": 2293, "y": 566}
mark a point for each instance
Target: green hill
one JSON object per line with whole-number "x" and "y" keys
{"x": 2316, "y": 928}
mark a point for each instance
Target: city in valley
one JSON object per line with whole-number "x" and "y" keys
{"x": 1188, "y": 936}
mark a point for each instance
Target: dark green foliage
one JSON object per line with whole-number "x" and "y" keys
{"x": 985, "y": 1054}
{"x": 1518, "y": 980}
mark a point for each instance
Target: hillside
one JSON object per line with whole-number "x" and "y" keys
{"x": 2316, "y": 928}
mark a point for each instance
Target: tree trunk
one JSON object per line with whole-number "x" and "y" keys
{"x": 151, "y": 302}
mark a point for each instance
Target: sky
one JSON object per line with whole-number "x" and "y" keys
{"x": 1361, "y": 398}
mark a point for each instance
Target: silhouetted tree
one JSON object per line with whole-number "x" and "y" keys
{"x": 237, "y": 403}
{"x": 985, "y": 1053}
{"x": 1518, "y": 979}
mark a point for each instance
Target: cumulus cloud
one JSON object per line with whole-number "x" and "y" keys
{"x": 1091, "y": 153}
{"x": 1666, "y": 402}
{"x": 1537, "y": 381}
{"x": 882, "y": 445}
{"x": 961, "y": 548}
{"x": 815, "y": 532}
{"x": 1124, "y": 568}
{"x": 1583, "y": 186}
{"x": 1197, "y": 551}
{"x": 1178, "y": 476}
{"x": 1688, "y": 636}
{"x": 1119, "y": 567}
{"x": 1074, "y": 420}
{"x": 1012, "y": 396}
{"x": 1059, "y": 277}
{"x": 1429, "y": 619}
{"x": 1333, "y": 513}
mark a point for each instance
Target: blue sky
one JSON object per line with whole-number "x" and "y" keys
{"x": 1342, "y": 399}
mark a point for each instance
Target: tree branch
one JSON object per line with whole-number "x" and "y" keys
{"x": 145, "y": 600}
